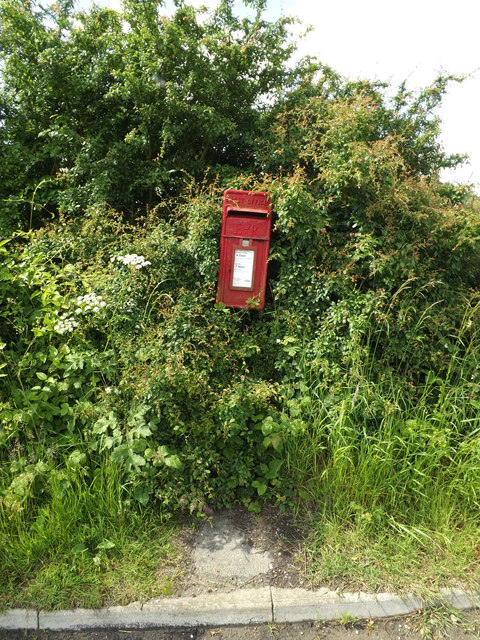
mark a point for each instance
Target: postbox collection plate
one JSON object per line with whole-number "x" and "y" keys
{"x": 244, "y": 246}
{"x": 243, "y": 269}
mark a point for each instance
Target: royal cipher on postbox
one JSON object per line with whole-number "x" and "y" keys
{"x": 244, "y": 245}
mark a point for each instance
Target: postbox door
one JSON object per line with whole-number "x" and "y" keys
{"x": 244, "y": 272}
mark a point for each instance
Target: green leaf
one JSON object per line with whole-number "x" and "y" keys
{"x": 275, "y": 466}
{"x": 173, "y": 461}
{"x": 269, "y": 425}
{"x": 261, "y": 489}
{"x": 141, "y": 431}
{"x": 142, "y": 493}
{"x": 138, "y": 460}
{"x": 80, "y": 547}
{"x": 104, "y": 423}
{"x": 120, "y": 453}
{"x": 106, "y": 544}
{"x": 64, "y": 409}
{"x": 275, "y": 441}
{"x": 260, "y": 486}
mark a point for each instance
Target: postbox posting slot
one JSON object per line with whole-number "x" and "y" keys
{"x": 247, "y": 214}
{"x": 250, "y": 225}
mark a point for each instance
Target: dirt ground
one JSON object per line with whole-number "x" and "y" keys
{"x": 464, "y": 626}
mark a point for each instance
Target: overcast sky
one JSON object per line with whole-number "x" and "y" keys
{"x": 411, "y": 40}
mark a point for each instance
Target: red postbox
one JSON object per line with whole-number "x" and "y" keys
{"x": 244, "y": 245}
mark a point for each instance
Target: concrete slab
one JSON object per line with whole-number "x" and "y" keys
{"x": 77, "y": 619}
{"x": 19, "y": 619}
{"x": 222, "y": 557}
{"x": 460, "y": 599}
{"x": 244, "y": 606}
{"x": 299, "y": 605}
{"x": 394, "y": 605}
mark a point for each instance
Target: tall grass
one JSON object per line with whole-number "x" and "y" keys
{"x": 74, "y": 540}
{"x": 375, "y": 457}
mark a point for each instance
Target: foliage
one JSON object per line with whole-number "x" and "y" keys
{"x": 352, "y": 394}
{"x": 124, "y": 373}
{"x": 107, "y": 107}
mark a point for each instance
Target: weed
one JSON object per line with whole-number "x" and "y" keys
{"x": 439, "y": 622}
{"x": 272, "y": 628}
{"x": 347, "y": 620}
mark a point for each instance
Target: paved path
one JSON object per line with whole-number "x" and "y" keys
{"x": 223, "y": 558}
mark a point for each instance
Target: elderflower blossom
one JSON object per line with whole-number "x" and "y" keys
{"x": 89, "y": 302}
{"x": 65, "y": 325}
{"x": 132, "y": 259}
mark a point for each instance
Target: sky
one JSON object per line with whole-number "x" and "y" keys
{"x": 411, "y": 40}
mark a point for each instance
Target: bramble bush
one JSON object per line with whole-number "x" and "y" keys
{"x": 127, "y": 354}
{"x": 137, "y": 371}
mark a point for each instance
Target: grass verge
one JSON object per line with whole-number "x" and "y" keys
{"x": 83, "y": 546}
{"x": 345, "y": 557}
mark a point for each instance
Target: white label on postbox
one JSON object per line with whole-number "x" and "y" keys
{"x": 243, "y": 268}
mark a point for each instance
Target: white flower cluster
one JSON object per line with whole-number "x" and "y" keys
{"x": 89, "y": 302}
{"x": 65, "y": 325}
{"x": 132, "y": 259}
